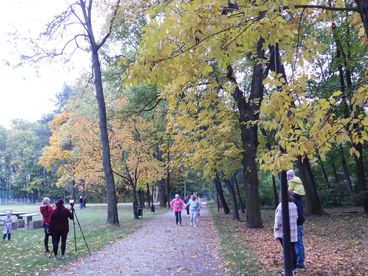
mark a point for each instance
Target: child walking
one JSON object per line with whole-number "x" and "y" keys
{"x": 7, "y": 226}
{"x": 194, "y": 206}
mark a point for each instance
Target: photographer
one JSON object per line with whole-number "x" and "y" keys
{"x": 46, "y": 211}
{"x": 59, "y": 227}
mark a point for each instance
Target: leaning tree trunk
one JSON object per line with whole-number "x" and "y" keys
{"x": 239, "y": 195}
{"x": 112, "y": 210}
{"x": 313, "y": 204}
{"x": 234, "y": 202}
{"x": 220, "y": 194}
{"x": 363, "y": 11}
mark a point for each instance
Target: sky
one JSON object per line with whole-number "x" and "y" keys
{"x": 27, "y": 92}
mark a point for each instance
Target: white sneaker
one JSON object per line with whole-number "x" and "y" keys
{"x": 63, "y": 257}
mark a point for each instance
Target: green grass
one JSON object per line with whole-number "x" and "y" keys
{"x": 24, "y": 254}
{"x": 239, "y": 258}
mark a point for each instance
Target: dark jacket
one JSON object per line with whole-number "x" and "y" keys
{"x": 59, "y": 220}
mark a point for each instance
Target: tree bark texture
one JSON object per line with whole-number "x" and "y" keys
{"x": 234, "y": 202}
{"x": 349, "y": 184}
{"x": 249, "y": 112}
{"x": 112, "y": 211}
{"x": 162, "y": 196}
{"x": 239, "y": 195}
{"x": 313, "y": 204}
{"x": 363, "y": 11}
{"x": 220, "y": 193}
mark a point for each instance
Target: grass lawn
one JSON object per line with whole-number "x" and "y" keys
{"x": 24, "y": 254}
{"x": 238, "y": 256}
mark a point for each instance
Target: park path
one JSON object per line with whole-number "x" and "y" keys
{"x": 158, "y": 248}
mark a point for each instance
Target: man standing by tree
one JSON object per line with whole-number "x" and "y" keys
{"x": 295, "y": 186}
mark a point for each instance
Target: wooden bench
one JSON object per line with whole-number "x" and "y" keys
{"x": 28, "y": 218}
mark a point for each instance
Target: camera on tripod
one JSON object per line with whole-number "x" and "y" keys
{"x": 71, "y": 202}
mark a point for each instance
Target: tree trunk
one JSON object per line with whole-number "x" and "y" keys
{"x": 234, "y": 202}
{"x": 220, "y": 193}
{"x": 361, "y": 183}
{"x": 217, "y": 199}
{"x": 249, "y": 112}
{"x": 162, "y": 196}
{"x": 275, "y": 195}
{"x": 313, "y": 204}
{"x": 135, "y": 203}
{"x": 168, "y": 176}
{"x": 363, "y": 11}
{"x": 349, "y": 184}
{"x": 239, "y": 195}
{"x": 323, "y": 170}
{"x": 141, "y": 198}
{"x": 148, "y": 195}
{"x": 332, "y": 162}
{"x": 112, "y": 210}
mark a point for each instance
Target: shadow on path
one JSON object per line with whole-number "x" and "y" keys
{"x": 158, "y": 248}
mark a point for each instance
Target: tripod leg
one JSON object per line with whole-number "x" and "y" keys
{"x": 80, "y": 228}
{"x": 75, "y": 238}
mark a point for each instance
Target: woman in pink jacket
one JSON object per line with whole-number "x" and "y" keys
{"x": 177, "y": 204}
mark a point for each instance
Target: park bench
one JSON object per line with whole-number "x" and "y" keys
{"x": 28, "y": 218}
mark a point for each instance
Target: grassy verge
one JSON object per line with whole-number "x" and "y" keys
{"x": 240, "y": 259}
{"x": 24, "y": 254}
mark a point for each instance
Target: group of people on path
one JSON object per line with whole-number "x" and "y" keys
{"x": 192, "y": 204}
{"x": 296, "y": 195}
{"x": 55, "y": 224}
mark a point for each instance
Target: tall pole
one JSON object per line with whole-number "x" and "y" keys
{"x": 284, "y": 193}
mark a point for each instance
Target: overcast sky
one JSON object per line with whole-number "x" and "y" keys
{"x": 27, "y": 93}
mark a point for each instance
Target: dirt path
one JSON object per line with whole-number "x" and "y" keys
{"x": 158, "y": 248}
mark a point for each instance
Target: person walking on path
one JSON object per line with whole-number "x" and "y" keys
{"x": 278, "y": 228}
{"x": 295, "y": 186}
{"x": 59, "y": 227}
{"x": 46, "y": 211}
{"x": 177, "y": 205}
{"x": 8, "y": 221}
{"x": 194, "y": 206}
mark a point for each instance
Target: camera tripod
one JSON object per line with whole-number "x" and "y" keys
{"x": 80, "y": 228}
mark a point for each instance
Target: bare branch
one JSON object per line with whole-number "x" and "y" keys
{"x": 110, "y": 25}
